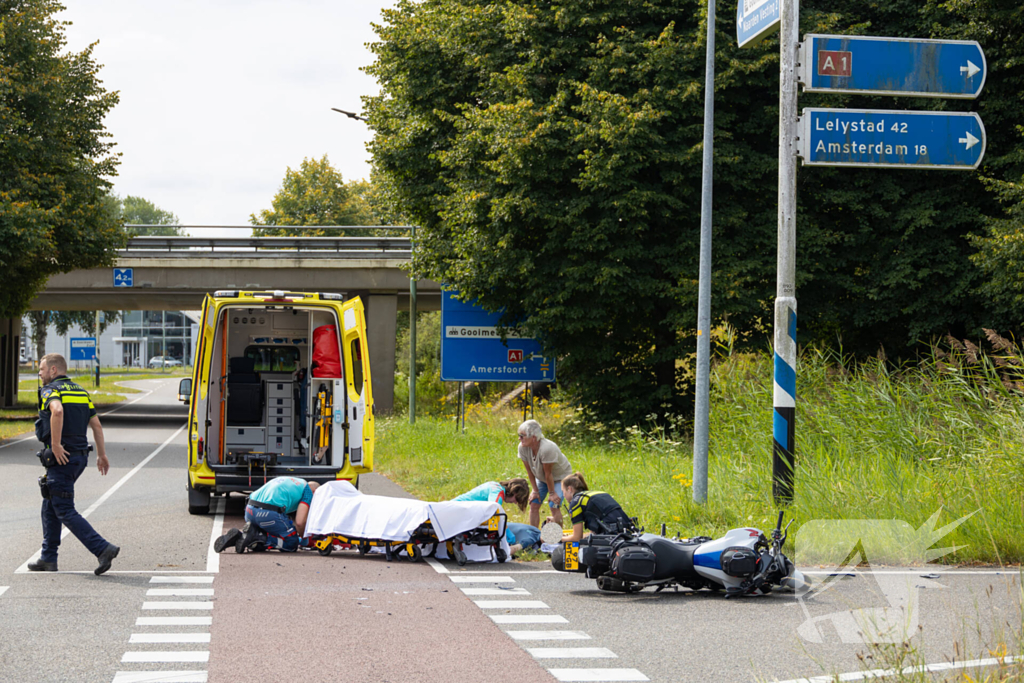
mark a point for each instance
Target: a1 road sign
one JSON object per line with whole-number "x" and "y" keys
{"x": 892, "y": 66}
{"x": 895, "y": 139}
{"x": 756, "y": 19}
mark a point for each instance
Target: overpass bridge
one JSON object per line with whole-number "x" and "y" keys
{"x": 174, "y": 273}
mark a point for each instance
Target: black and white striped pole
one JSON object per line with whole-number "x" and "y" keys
{"x": 784, "y": 394}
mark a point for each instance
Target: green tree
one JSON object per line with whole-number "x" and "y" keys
{"x": 54, "y": 153}
{"x": 140, "y": 211}
{"x": 316, "y": 194}
{"x": 551, "y": 156}
{"x": 40, "y": 321}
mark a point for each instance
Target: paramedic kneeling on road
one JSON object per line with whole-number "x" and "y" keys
{"x": 546, "y": 467}
{"x": 595, "y": 510}
{"x": 267, "y": 523}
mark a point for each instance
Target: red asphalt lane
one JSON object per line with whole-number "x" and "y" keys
{"x": 304, "y": 617}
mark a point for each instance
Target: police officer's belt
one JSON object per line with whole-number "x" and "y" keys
{"x": 265, "y": 506}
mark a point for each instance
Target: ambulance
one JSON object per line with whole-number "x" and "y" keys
{"x": 280, "y": 387}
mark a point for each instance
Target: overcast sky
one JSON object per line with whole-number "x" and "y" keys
{"x": 219, "y": 97}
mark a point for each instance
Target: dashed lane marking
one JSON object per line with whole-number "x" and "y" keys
{"x": 181, "y": 579}
{"x": 3, "y": 589}
{"x": 179, "y": 592}
{"x": 160, "y": 677}
{"x": 528, "y": 619}
{"x": 482, "y": 579}
{"x": 511, "y": 604}
{"x": 177, "y": 605}
{"x": 166, "y": 656}
{"x": 174, "y": 621}
{"x": 571, "y": 653}
{"x": 169, "y": 638}
{"x": 495, "y": 591}
{"x": 924, "y": 668}
{"x": 598, "y": 675}
{"x": 548, "y": 635}
{"x": 23, "y": 569}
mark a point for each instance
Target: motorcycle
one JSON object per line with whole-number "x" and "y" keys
{"x": 742, "y": 562}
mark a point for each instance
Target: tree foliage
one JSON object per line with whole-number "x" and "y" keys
{"x": 62, "y": 321}
{"x": 54, "y": 155}
{"x": 551, "y": 155}
{"x": 141, "y": 211}
{"x": 316, "y": 194}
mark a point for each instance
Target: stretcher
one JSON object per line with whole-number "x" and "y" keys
{"x": 341, "y": 517}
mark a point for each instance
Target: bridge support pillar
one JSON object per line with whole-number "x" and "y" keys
{"x": 381, "y": 328}
{"x": 10, "y": 351}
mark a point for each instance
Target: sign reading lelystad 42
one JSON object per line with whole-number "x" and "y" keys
{"x": 898, "y": 139}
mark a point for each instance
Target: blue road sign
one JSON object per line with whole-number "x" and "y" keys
{"x": 83, "y": 348}
{"x": 124, "y": 277}
{"x": 892, "y": 66}
{"x": 472, "y": 350}
{"x": 895, "y": 139}
{"x": 756, "y": 19}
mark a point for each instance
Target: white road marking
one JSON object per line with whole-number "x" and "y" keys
{"x": 166, "y": 656}
{"x": 160, "y": 677}
{"x": 1009, "y": 571}
{"x": 23, "y": 569}
{"x": 212, "y": 556}
{"x": 114, "y": 571}
{"x": 180, "y": 592}
{"x": 137, "y": 399}
{"x": 11, "y": 443}
{"x": 925, "y": 668}
{"x": 482, "y": 579}
{"x": 495, "y": 591}
{"x": 169, "y": 638}
{"x": 548, "y": 635}
{"x": 174, "y": 621}
{"x": 438, "y": 567}
{"x": 528, "y": 619}
{"x": 598, "y": 675}
{"x": 511, "y": 570}
{"x": 511, "y": 604}
{"x": 177, "y": 605}
{"x": 571, "y": 653}
{"x": 181, "y": 579}
{"x": 3, "y": 589}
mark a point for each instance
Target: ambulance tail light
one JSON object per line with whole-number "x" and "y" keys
{"x": 199, "y": 447}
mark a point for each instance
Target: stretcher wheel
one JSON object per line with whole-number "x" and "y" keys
{"x": 364, "y": 548}
{"x": 460, "y": 558}
{"x": 416, "y": 555}
{"x": 389, "y": 553}
{"x": 500, "y": 554}
{"x": 326, "y": 551}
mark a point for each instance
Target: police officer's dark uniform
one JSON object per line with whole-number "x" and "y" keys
{"x": 59, "y": 488}
{"x": 599, "y": 512}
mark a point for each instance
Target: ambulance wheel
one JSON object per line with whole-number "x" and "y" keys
{"x": 460, "y": 558}
{"x": 364, "y": 548}
{"x": 326, "y": 551}
{"x": 417, "y": 554}
{"x": 500, "y": 554}
{"x": 198, "y": 499}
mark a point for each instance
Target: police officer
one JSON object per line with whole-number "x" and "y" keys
{"x": 65, "y": 411}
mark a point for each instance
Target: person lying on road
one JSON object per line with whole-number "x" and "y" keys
{"x": 517, "y": 490}
{"x": 267, "y": 524}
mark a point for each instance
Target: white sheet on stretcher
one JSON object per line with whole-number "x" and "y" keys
{"x": 338, "y": 508}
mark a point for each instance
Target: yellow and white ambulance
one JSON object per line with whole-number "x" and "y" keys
{"x": 280, "y": 387}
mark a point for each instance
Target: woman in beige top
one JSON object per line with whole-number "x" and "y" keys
{"x": 546, "y": 466}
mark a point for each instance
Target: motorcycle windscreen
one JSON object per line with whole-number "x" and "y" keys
{"x": 357, "y": 384}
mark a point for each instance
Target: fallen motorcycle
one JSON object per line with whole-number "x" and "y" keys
{"x": 742, "y": 562}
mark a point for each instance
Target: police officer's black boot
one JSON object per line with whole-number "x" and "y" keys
{"x": 106, "y": 557}
{"x": 41, "y": 566}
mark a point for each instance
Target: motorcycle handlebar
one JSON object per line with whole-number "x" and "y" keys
{"x": 778, "y": 525}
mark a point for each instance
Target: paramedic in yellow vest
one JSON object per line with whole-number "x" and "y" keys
{"x": 545, "y": 467}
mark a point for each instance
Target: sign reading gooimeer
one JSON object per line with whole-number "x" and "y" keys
{"x": 472, "y": 350}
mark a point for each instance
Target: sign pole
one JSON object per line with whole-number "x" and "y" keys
{"x": 97, "y": 356}
{"x": 701, "y": 418}
{"x": 784, "y": 393}
{"x": 412, "y": 339}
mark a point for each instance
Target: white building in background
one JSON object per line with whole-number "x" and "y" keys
{"x": 131, "y": 341}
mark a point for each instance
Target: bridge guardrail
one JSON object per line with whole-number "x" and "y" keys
{"x": 262, "y": 247}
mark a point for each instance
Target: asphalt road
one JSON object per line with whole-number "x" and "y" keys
{"x": 170, "y": 609}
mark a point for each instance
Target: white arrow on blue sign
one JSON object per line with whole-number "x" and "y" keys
{"x": 892, "y": 66}
{"x": 756, "y": 20}
{"x": 893, "y": 139}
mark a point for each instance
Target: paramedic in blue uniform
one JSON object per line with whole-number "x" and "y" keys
{"x": 65, "y": 412}
{"x": 267, "y": 521}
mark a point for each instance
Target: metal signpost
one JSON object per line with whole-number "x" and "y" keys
{"x": 894, "y": 139}
{"x": 892, "y": 66}
{"x": 472, "y": 349}
{"x": 756, "y": 20}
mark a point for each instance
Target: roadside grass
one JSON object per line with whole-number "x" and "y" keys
{"x": 19, "y": 418}
{"x": 873, "y": 442}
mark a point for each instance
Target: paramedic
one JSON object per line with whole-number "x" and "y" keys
{"x": 267, "y": 524}
{"x": 65, "y": 412}
{"x": 516, "y": 491}
{"x": 595, "y": 510}
{"x": 545, "y": 467}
